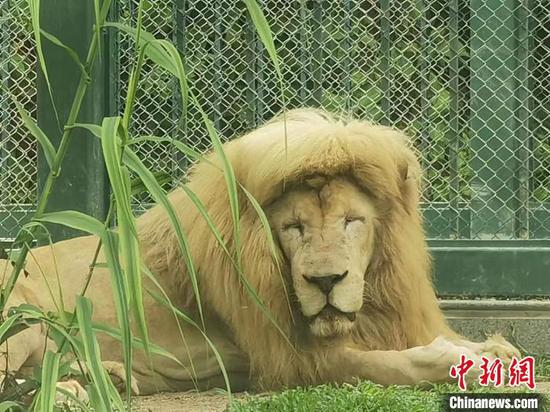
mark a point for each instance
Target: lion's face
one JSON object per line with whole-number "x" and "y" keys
{"x": 325, "y": 230}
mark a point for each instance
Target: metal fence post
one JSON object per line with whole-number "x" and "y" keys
{"x": 82, "y": 183}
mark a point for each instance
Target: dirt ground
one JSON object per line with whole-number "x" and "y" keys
{"x": 211, "y": 401}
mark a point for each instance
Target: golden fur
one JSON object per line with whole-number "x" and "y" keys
{"x": 400, "y": 311}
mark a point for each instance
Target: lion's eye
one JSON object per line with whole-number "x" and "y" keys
{"x": 294, "y": 226}
{"x": 351, "y": 219}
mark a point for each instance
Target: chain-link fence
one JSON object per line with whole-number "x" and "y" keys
{"x": 468, "y": 80}
{"x": 18, "y": 156}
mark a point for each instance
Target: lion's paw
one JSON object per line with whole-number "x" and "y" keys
{"x": 498, "y": 347}
{"x": 118, "y": 376}
{"x": 73, "y": 388}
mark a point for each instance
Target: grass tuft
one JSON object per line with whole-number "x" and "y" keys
{"x": 365, "y": 397}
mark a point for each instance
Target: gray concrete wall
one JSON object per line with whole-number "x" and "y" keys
{"x": 524, "y": 323}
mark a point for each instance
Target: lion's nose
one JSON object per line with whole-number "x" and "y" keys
{"x": 326, "y": 282}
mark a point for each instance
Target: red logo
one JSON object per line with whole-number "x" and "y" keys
{"x": 522, "y": 371}
{"x": 459, "y": 371}
{"x": 492, "y": 372}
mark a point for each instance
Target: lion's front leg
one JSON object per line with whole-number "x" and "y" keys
{"x": 429, "y": 363}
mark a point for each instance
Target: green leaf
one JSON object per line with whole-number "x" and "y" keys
{"x": 132, "y": 89}
{"x": 266, "y": 36}
{"x": 7, "y": 324}
{"x": 128, "y": 241}
{"x": 73, "y": 398}
{"x": 180, "y": 74}
{"x": 120, "y": 288}
{"x": 34, "y": 7}
{"x": 230, "y": 180}
{"x": 97, "y": 25}
{"x": 163, "y": 53}
{"x": 265, "y": 33}
{"x": 154, "y": 51}
{"x": 136, "y": 342}
{"x": 76, "y": 220}
{"x": 93, "y": 356}
{"x": 165, "y": 301}
{"x": 182, "y": 147}
{"x": 10, "y": 406}
{"x": 72, "y": 54}
{"x": 271, "y": 242}
{"x": 206, "y": 216}
{"x": 50, "y": 373}
{"x": 92, "y": 128}
{"x": 131, "y": 159}
{"x": 136, "y": 71}
{"x": 137, "y": 186}
{"x": 33, "y": 315}
{"x": 30, "y": 124}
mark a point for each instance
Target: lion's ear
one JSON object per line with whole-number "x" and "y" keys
{"x": 411, "y": 178}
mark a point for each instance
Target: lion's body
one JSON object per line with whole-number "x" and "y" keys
{"x": 399, "y": 312}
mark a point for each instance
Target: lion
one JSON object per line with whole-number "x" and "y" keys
{"x": 348, "y": 285}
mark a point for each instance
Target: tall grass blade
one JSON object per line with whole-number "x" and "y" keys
{"x": 165, "y": 301}
{"x": 232, "y": 190}
{"x": 6, "y": 327}
{"x": 217, "y": 235}
{"x": 97, "y": 25}
{"x": 128, "y": 240}
{"x": 270, "y": 241}
{"x": 132, "y": 89}
{"x": 95, "y": 129}
{"x": 7, "y": 324}
{"x": 154, "y": 51}
{"x": 265, "y": 33}
{"x": 121, "y": 299}
{"x": 50, "y": 180}
{"x": 32, "y": 127}
{"x": 161, "y": 52}
{"x": 266, "y": 36}
{"x": 92, "y": 354}
{"x": 10, "y": 406}
{"x": 182, "y": 147}
{"x": 208, "y": 219}
{"x": 81, "y": 221}
{"x": 180, "y": 74}
{"x": 135, "y": 73}
{"x": 93, "y": 394}
{"x": 33, "y": 315}
{"x": 81, "y": 406}
{"x": 136, "y": 342}
{"x": 50, "y": 373}
{"x": 230, "y": 180}
{"x": 148, "y": 179}
{"x": 34, "y": 8}
{"x": 72, "y": 54}
{"x": 75, "y": 220}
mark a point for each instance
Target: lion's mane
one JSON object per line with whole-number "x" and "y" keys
{"x": 400, "y": 308}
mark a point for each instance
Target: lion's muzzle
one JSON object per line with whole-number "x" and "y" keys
{"x": 326, "y": 282}
{"x": 331, "y": 321}
{"x": 330, "y": 312}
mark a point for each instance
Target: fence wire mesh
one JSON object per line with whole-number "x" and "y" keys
{"x": 468, "y": 81}
{"x": 18, "y": 156}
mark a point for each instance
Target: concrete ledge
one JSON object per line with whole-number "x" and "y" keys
{"x": 525, "y": 323}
